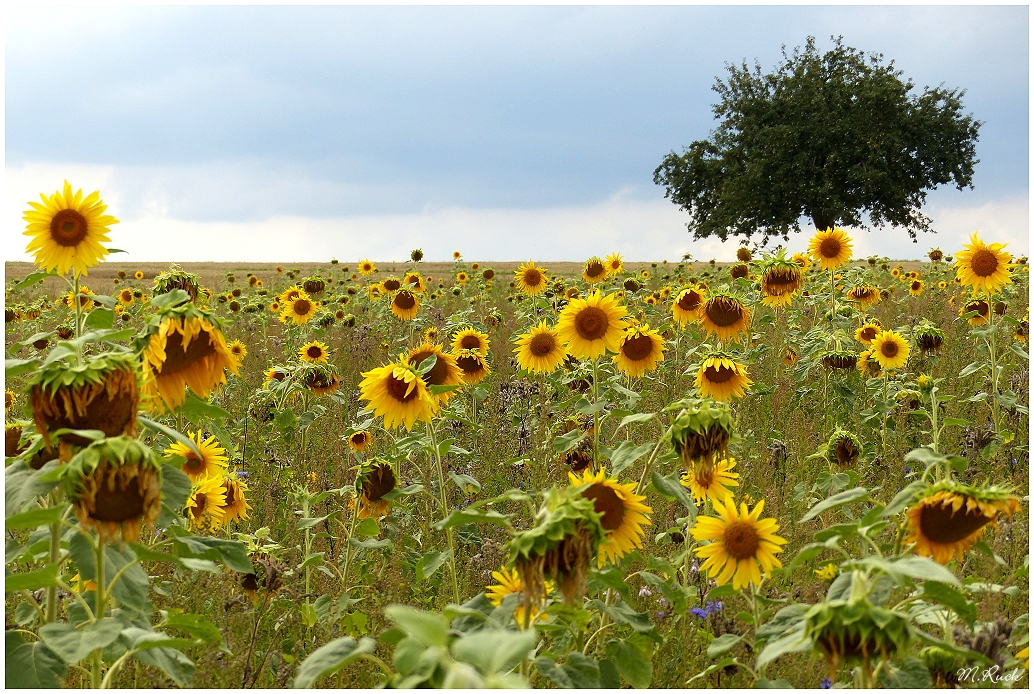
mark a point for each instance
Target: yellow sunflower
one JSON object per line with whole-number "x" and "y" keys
{"x": 595, "y": 270}
{"x": 290, "y": 294}
{"x": 374, "y": 291}
{"x": 300, "y": 310}
{"x": 366, "y": 267}
{"x": 614, "y": 263}
{"x": 377, "y": 479}
{"x": 725, "y": 316}
{"x": 951, "y": 517}
{"x": 396, "y": 392}
{"x": 85, "y": 302}
{"x": 67, "y": 230}
{"x": 640, "y": 351}
{"x": 722, "y": 378}
{"x": 742, "y": 546}
{"x": 983, "y": 267}
{"x": 540, "y": 350}
{"x": 890, "y": 349}
{"x": 237, "y": 505}
{"x": 405, "y": 305}
{"x": 982, "y": 309}
{"x": 360, "y": 441}
{"x": 414, "y": 281}
{"x": 314, "y": 352}
{"x": 623, "y": 513}
{"x": 469, "y": 338}
{"x": 238, "y": 350}
{"x": 801, "y": 259}
{"x": 139, "y": 274}
{"x": 831, "y": 248}
{"x": 445, "y": 372}
{"x": 531, "y": 279}
{"x": 867, "y": 365}
{"x": 865, "y": 294}
{"x": 686, "y": 307}
{"x": 915, "y": 288}
{"x": 712, "y": 481}
{"x": 509, "y": 583}
{"x": 125, "y": 296}
{"x": 206, "y": 506}
{"x": 473, "y": 365}
{"x": 462, "y": 277}
{"x": 592, "y": 326}
{"x": 456, "y": 255}
{"x": 211, "y": 463}
{"x": 868, "y": 332}
{"x": 827, "y": 572}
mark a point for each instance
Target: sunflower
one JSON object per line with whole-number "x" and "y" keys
{"x": 469, "y": 338}
{"x": 314, "y": 352}
{"x": 125, "y": 296}
{"x": 211, "y": 463}
{"x": 237, "y": 505}
{"x": 540, "y": 350}
{"x": 183, "y": 347}
{"x": 238, "y": 350}
{"x": 275, "y": 373}
{"x": 895, "y": 273}
{"x": 531, "y": 279}
{"x": 982, "y": 309}
{"x": 8, "y": 400}
{"x": 85, "y": 303}
{"x": 398, "y": 393}
{"x": 843, "y": 449}
{"x": 320, "y": 379}
{"x": 414, "y": 281}
{"x": 831, "y": 248}
{"x": 950, "y": 518}
{"x": 790, "y": 356}
{"x": 686, "y": 307}
{"x": 360, "y": 441}
{"x": 916, "y": 287}
{"x": 366, "y": 267}
{"x": 404, "y": 304}
{"x": 445, "y": 372}
{"x": 868, "y": 332}
{"x": 890, "y": 349}
{"x": 622, "y": 513}
{"x": 725, "y": 316}
{"x": 741, "y": 544}
{"x": 591, "y": 326}
{"x": 801, "y": 259}
{"x": 509, "y": 583}
{"x": 456, "y": 255}
{"x": 641, "y": 350}
{"x": 701, "y": 431}
{"x": 983, "y": 267}
{"x": 867, "y": 365}
{"x": 650, "y": 300}
{"x": 594, "y": 270}
{"x": 942, "y": 285}
{"x": 375, "y": 480}
{"x": 474, "y": 366}
{"x": 67, "y": 231}
{"x": 374, "y": 291}
{"x": 780, "y": 280}
{"x": 206, "y": 505}
{"x": 614, "y": 263}
{"x": 828, "y": 572}
{"x": 722, "y": 378}
{"x": 712, "y": 481}
{"x": 139, "y": 274}
{"x": 865, "y": 294}
{"x": 462, "y": 277}
{"x": 300, "y": 309}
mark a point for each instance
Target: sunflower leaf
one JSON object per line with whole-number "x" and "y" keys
{"x": 848, "y": 496}
{"x": 170, "y": 432}
{"x": 330, "y": 658}
{"x": 627, "y": 453}
{"x": 671, "y": 488}
{"x": 16, "y": 367}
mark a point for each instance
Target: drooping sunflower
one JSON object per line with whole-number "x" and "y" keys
{"x": 469, "y": 338}
{"x": 722, "y": 378}
{"x": 843, "y": 449}
{"x": 725, "y": 316}
{"x": 780, "y": 280}
{"x": 742, "y": 546}
{"x": 314, "y": 352}
{"x": 531, "y": 279}
{"x": 182, "y": 346}
{"x": 67, "y": 230}
{"x": 983, "y": 267}
{"x": 701, "y": 431}
{"x": 981, "y": 307}
{"x": 540, "y": 349}
{"x": 865, "y": 294}
{"x": 623, "y": 515}
{"x": 445, "y": 372}
{"x": 595, "y": 270}
{"x": 359, "y": 441}
{"x": 211, "y": 463}
{"x": 915, "y": 288}
{"x": 592, "y": 326}
{"x": 301, "y": 309}
{"x": 366, "y": 267}
{"x": 640, "y": 351}
{"x": 398, "y": 393}
{"x": 950, "y": 517}
{"x": 375, "y": 479}
{"x": 686, "y": 307}
{"x": 238, "y": 350}
{"x": 831, "y": 248}
{"x": 712, "y": 481}
{"x": 474, "y": 366}
{"x": 867, "y": 333}
{"x": 275, "y": 373}
{"x": 206, "y": 505}
{"x": 405, "y": 305}
{"x": 614, "y": 263}
{"x": 890, "y": 349}
{"x": 237, "y": 505}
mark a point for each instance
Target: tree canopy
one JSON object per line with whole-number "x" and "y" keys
{"x": 838, "y": 137}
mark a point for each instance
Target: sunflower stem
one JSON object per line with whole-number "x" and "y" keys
{"x": 992, "y": 329}
{"x": 595, "y": 416}
{"x": 445, "y": 510}
{"x": 348, "y": 545}
{"x": 54, "y": 557}
{"x": 95, "y": 675}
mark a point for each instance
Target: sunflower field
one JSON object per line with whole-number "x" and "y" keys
{"x": 803, "y": 470}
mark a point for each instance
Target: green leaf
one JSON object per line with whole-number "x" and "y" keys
{"x": 633, "y": 665}
{"x": 671, "y": 488}
{"x": 370, "y": 544}
{"x": 566, "y": 442}
{"x": 632, "y": 418}
{"x": 195, "y": 625}
{"x": 722, "y": 645}
{"x": 175, "y": 490}
{"x": 623, "y": 614}
{"x": 32, "y": 580}
{"x": 922, "y": 568}
{"x": 720, "y": 665}
{"x": 773, "y": 684}
{"x": 473, "y": 515}
{"x": 494, "y": 651}
{"x": 627, "y": 453}
{"x": 16, "y": 367}
{"x": 405, "y": 491}
{"x": 582, "y": 671}
{"x": 848, "y": 496}
{"x": 173, "y": 663}
{"x": 427, "y": 627}
{"x": 903, "y": 498}
{"x": 72, "y": 644}
{"x": 35, "y": 278}
{"x": 169, "y": 432}
{"x": 330, "y": 658}
{"x": 100, "y": 319}
{"x": 195, "y": 410}
{"x": 429, "y": 564}
{"x": 912, "y": 674}
{"x": 553, "y": 672}
{"x": 308, "y": 523}
{"x": 199, "y": 564}
{"x": 35, "y": 518}
{"x": 31, "y": 665}
{"x": 368, "y": 528}
{"x": 972, "y": 368}
{"x": 791, "y": 642}
{"x": 466, "y": 483}
{"x": 231, "y": 553}
{"x": 935, "y": 591}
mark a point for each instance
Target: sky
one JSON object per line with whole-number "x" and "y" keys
{"x": 292, "y": 134}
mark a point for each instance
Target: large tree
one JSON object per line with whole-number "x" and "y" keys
{"x": 838, "y": 138}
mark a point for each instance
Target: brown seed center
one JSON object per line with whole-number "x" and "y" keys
{"x": 405, "y": 300}
{"x": 438, "y": 374}
{"x": 941, "y": 524}
{"x": 542, "y": 344}
{"x": 741, "y": 540}
{"x": 201, "y": 501}
{"x": 392, "y": 285}
{"x": 889, "y": 349}
{"x": 723, "y": 311}
{"x": 595, "y": 269}
{"x": 470, "y": 342}
{"x": 302, "y": 307}
{"x": 470, "y": 365}
{"x": 380, "y": 481}
{"x": 115, "y": 505}
{"x": 690, "y": 301}
{"x": 829, "y": 248}
{"x": 605, "y": 501}
{"x": 845, "y": 452}
{"x": 68, "y": 228}
{"x": 591, "y": 323}
{"x": 314, "y": 352}
{"x": 868, "y": 333}
{"x": 984, "y": 263}
{"x": 177, "y": 358}
{"x": 719, "y": 375}
{"x": 916, "y": 286}
{"x": 637, "y": 348}
{"x": 397, "y": 389}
